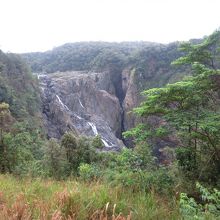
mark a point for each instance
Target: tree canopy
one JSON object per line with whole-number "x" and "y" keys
{"x": 190, "y": 109}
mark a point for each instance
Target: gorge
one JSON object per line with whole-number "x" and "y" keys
{"x": 70, "y": 118}
{"x": 91, "y": 88}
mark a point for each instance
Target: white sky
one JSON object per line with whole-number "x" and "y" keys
{"x": 39, "y": 25}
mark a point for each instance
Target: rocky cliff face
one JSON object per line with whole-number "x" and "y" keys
{"x": 131, "y": 99}
{"x": 98, "y": 98}
{"x": 91, "y": 103}
{"x": 83, "y": 102}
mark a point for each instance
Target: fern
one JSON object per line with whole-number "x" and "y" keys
{"x": 209, "y": 209}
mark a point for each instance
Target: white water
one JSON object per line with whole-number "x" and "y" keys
{"x": 105, "y": 143}
{"x": 40, "y": 75}
{"x": 81, "y": 103}
{"x": 92, "y": 125}
{"x": 78, "y": 116}
{"x": 64, "y": 106}
{"x": 94, "y": 129}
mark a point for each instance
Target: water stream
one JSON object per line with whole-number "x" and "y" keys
{"x": 63, "y": 105}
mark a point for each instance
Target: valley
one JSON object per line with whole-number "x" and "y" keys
{"x": 100, "y": 130}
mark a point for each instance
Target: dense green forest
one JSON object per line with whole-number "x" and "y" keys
{"x": 72, "y": 178}
{"x": 150, "y": 61}
{"x": 86, "y": 56}
{"x": 104, "y": 56}
{"x": 18, "y": 87}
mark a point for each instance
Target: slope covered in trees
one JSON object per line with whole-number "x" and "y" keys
{"x": 190, "y": 112}
{"x": 84, "y": 56}
{"x": 18, "y": 87}
{"x": 147, "y": 58}
{"x": 134, "y": 179}
{"x": 127, "y": 68}
{"x": 20, "y": 122}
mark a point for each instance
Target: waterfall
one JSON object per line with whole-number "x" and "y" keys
{"x": 64, "y": 106}
{"x": 78, "y": 116}
{"x": 81, "y": 103}
{"x": 94, "y": 129}
{"x": 105, "y": 142}
{"x": 40, "y": 76}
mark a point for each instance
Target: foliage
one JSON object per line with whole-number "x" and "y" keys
{"x": 20, "y": 127}
{"x": 209, "y": 208}
{"x": 78, "y": 150}
{"x": 55, "y": 160}
{"x": 19, "y": 145}
{"x": 47, "y": 199}
{"x": 80, "y": 56}
{"x": 189, "y": 109}
{"x": 88, "y": 172}
{"x": 97, "y": 142}
{"x": 150, "y": 62}
{"x": 18, "y": 87}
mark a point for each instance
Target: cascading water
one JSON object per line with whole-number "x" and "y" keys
{"x": 81, "y": 104}
{"x": 60, "y": 118}
{"x": 94, "y": 129}
{"x": 105, "y": 142}
{"x": 80, "y": 118}
{"x": 63, "y": 105}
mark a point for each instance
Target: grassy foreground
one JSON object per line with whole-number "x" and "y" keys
{"x": 56, "y": 200}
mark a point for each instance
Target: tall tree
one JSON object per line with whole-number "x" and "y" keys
{"x": 6, "y": 120}
{"x": 191, "y": 109}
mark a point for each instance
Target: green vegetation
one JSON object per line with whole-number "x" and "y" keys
{"x": 209, "y": 208}
{"x": 82, "y": 56}
{"x": 18, "y": 87}
{"x": 45, "y": 199}
{"x": 21, "y": 136}
{"x": 78, "y": 180}
{"x": 151, "y": 61}
{"x": 189, "y": 111}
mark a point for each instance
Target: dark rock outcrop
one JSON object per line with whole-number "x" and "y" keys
{"x": 99, "y": 98}
{"x": 83, "y": 102}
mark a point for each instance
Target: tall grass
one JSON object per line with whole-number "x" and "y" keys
{"x": 24, "y": 199}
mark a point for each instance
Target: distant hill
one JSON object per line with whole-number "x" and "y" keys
{"x": 86, "y": 55}
{"x": 149, "y": 59}
{"x": 18, "y": 87}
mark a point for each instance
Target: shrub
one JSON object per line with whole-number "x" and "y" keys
{"x": 160, "y": 180}
{"x": 89, "y": 172}
{"x": 97, "y": 142}
{"x": 208, "y": 208}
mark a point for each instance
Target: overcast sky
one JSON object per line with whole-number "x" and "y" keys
{"x": 39, "y": 25}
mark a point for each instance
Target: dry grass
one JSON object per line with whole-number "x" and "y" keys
{"x": 71, "y": 200}
{"x": 21, "y": 210}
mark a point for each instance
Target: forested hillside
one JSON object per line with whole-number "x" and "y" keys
{"x": 21, "y": 130}
{"x": 83, "y": 170}
{"x": 18, "y": 87}
{"x": 123, "y": 70}
{"x": 85, "y": 56}
{"x": 147, "y": 58}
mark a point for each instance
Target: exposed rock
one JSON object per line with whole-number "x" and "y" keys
{"x": 84, "y": 102}
{"x": 132, "y": 97}
{"x": 89, "y": 102}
